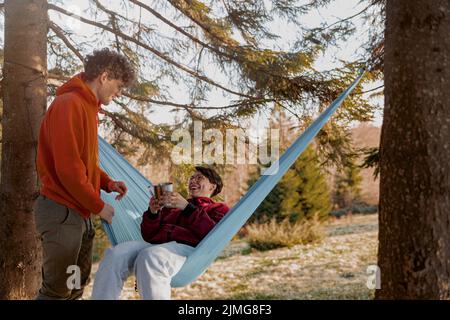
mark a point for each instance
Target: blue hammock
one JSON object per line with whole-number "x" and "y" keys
{"x": 126, "y": 222}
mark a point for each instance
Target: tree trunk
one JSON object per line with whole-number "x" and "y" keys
{"x": 414, "y": 247}
{"x": 24, "y": 103}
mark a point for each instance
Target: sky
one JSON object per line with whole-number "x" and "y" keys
{"x": 337, "y": 10}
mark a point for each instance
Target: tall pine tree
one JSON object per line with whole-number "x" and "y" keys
{"x": 302, "y": 193}
{"x": 347, "y": 186}
{"x": 414, "y": 237}
{"x": 307, "y": 192}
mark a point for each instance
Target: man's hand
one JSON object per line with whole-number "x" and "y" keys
{"x": 155, "y": 205}
{"x": 119, "y": 187}
{"x": 107, "y": 213}
{"x": 174, "y": 200}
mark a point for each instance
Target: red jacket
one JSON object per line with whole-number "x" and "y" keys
{"x": 188, "y": 226}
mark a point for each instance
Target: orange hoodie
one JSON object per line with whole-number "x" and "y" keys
{"x": 67, "y": 160}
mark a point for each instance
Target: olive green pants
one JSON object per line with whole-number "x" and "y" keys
{"x": 67, "y": 240}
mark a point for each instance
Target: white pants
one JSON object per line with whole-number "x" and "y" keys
{"x": 153, "y": 264}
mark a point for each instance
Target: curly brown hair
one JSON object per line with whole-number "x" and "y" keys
{"x": 116, "y": 64}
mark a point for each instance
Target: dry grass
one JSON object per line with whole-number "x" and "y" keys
{"x": 273, "y": 235}
{"x": 336, "y": 268}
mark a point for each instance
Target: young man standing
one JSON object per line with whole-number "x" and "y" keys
{"x": 71, "y": 179}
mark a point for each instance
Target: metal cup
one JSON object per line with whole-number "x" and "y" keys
{"x": 166, "y": 187}
{"x": 158, "y": 191}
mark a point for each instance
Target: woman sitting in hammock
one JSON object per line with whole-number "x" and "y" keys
{"x": 170, "y": 235}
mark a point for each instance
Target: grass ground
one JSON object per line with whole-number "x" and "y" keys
{"x": 336, "y": 268}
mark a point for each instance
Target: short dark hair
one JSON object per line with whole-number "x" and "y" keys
{"x": 116, "y": 64}
{"x": 213, "y": 177}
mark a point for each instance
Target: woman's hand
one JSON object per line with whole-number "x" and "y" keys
{"x": 174, "y": 200}
{"x": 155, "y": 205}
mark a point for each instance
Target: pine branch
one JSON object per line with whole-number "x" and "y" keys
{"x": 238, "y": 52}
{"x": 232, "y": 50}
{"x": 113, "y": 19}
{"x": 147, "y": 47}
{"x": 180, "y": 30}
{"x": 60, "y": 34}
{"x": 244, "y": 103}
{"x": 110, "y": 12}
{"x": 131, "y": 128}
{"x": 370, "y": 90}
{"x": 241, "y": 31}
{"x": 289, "y": 110}
{"x": 233, "y": 47}
{"x": 185, "y": 8}
{"x": 344, "y": 20}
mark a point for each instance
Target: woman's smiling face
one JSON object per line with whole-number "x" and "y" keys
{"x": 200, "y": 186}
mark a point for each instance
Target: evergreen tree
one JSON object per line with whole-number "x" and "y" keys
{"x": 271, "y": 206}
{"x": 1, "y": 136}
{"x": 306, "y": 189}
{"x": 414, "y": 228}
{"x": 347, "y": 186}
{"x": 24, "y": 100}
{"x": 301, "y": 193}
